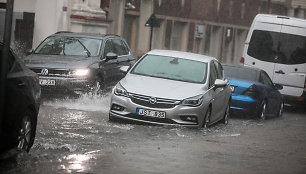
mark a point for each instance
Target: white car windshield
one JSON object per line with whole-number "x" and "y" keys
{"x": 70, "y": 46}
{"x": 171, "y": 68}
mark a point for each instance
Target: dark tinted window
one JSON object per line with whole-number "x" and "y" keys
{"x": 219, "y": 70}
{"x": 119, "y": 47}
{"x": 10, "y": 60}
{"x": 265, "y": 79}
{"x": 213, "y": 74}
{"x": 278, "y": 47}
{"x": 240, "y": 73}
{"x": 108, "y": 48}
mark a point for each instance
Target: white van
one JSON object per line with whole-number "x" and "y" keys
{"x": 277, "y": 44}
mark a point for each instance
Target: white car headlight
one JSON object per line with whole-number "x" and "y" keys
{"x": 120, "y": 91}
{"x": 80, "y": 72}
{"x": 193, "y": 101}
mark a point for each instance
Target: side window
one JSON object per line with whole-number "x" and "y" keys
{"x": 119, "y": 48}
{"x": 213, "y": 75}
{"x": 265, "y": 79}
{"x": 13, "y": 65}
{"x": 219, "y": 70}
{"x": 108, "y": 48}
{"x": 126, "y": 48}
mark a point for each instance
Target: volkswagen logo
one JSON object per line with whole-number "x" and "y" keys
{"x": 152, "y": 100}
{"x": 44, "y": 72}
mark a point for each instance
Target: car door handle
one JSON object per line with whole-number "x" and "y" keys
{"x": 280, "y": 72}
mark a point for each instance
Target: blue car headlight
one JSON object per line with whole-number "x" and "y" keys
{"x": 120, "y": 91}
{"x": 193, "y": 101}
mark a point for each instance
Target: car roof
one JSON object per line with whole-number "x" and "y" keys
{"x": 89, "y": 35}
{"x": 183, "y": 55}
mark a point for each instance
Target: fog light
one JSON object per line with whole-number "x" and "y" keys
{"x": 189, "y": 118}
{"x": 116, "y": 107}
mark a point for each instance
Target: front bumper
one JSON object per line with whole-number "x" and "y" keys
{"x": 65, "y": 85}
{"x": 175, "y": 116}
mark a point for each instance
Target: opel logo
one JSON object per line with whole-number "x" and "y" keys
{"x": 152, "y": 100}
{"x": 44, "y": 72}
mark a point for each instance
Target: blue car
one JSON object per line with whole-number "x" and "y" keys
{"x": 253, "y": 93}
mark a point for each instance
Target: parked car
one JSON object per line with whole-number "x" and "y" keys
{"x": 173, "y": 88}
{"x": 78, "y": 62}
{"x": 253, "y": 93}
{"x": 22, "y": 100}
{"x": 277, "y": 44}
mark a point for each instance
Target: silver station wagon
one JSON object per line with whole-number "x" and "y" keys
{"x": 172, "y": 88}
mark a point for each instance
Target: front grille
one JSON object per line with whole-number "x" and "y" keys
{"x": 160, "y": 102}
{"x": 52, "y": 72}
{"x": 151, "y": 119}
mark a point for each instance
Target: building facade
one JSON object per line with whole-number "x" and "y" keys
{"x": 216, "y": 28}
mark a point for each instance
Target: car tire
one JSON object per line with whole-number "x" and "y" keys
{"x": 207, "y": 118}
{"x": 226, "y": 115}
{"x": 262, "y": 114}
{"x": 26, "y": 131}
{"x": 281, "y": 110}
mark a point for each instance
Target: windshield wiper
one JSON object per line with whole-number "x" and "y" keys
{"x": 87, "y": 51}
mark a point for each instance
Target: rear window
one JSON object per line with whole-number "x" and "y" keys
{"x": 240, "y": 73}
{"x": 278, "y": 47}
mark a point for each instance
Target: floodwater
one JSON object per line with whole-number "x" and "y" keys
{"x": 75, "y": 136}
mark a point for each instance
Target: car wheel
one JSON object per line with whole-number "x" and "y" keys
{"x": 281, "y": 110}
{"x": 26, "y": 131}
{"x": 262, "y": 115}
{"x": 226, "y": 115}
{"x": 207, "y": 118}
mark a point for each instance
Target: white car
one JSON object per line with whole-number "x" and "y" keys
{"x": 173, "y": 88}
{"x": 277, "y": 44}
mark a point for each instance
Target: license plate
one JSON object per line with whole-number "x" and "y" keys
{"x": 232, "y": 88}
{"x": 47, "y": 82}
{"x": 151, "y": 113}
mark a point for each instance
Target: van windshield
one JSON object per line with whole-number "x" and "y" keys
{"x": 278, "y": 47}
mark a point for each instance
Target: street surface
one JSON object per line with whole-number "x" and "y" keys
{"x": 75, "y": 136}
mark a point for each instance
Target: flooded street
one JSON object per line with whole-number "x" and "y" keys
{"x": 75, "y": 136}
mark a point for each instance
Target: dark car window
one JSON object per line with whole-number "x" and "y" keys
{"x": 265, "y": 79}
{"x": 219, "y": 70}
{"x": 108, "y": 48}
{"x": 12, "y": 66}
{"x": 278, "y": 47}
{"x": 213, "y": 75}
{"x": 240, "y": 73}
{"x": 119, "y": 47}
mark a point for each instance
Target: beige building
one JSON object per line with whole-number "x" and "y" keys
{"x": 216, "y": 28}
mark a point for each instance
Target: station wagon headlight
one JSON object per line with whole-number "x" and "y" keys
{"x": 80, "y": 72}
{"x": 120, "y": 91}
{"x": 193, "y": 101}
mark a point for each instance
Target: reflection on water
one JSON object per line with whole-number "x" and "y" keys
{"x": 77, "y": 162}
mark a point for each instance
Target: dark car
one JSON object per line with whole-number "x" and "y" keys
{"x": 22, "y": 101}
{"x": 253, "y": 93}
{"x": 79, "y": 62}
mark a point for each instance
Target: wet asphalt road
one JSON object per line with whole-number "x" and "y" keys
{"x": 75, "y": 136}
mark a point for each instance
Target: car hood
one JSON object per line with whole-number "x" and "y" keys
{"x": 161, "y": 88}
{"x": 58, "y": 61}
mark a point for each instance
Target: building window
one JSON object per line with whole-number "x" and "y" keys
{"x": 176, "y": 38}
